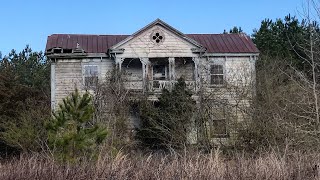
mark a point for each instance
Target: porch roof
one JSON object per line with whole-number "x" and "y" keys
{"x": 215, "y": 43}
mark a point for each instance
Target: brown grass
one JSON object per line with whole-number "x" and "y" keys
{"x": 192, "y": 166}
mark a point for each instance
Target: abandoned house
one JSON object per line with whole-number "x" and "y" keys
{"x": 154, "y": 58}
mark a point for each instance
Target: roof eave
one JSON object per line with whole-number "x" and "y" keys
{"x": 76, "y": 55}
{"x": 232, "y": 54}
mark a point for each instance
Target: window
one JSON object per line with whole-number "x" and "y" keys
{"x": 216, "y": 74}
{"x": 160, "y": 72}
{"x": 90, "y": 76}
{"x": 217, "y": 123}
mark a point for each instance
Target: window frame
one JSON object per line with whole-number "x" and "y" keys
{"x": 166, "y": 73}
{"x": 84, "y": 76}
{"x": 209, "y": 124}
{"x": 210, "y": 74}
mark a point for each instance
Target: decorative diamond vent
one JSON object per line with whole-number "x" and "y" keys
{"x": 157, "y": 37}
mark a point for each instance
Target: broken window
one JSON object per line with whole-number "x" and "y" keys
{"x": 160, "y": 72}
{"x": 216, "y": 74}
{"x": 57, "y": 50}
{"x": 90, "y": 76}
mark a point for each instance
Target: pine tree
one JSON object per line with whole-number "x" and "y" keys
{"x": 71, "y": 134}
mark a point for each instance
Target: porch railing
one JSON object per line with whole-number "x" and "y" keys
{"x": 158, "y": 85}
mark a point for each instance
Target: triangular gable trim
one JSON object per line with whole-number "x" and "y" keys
{"x": 166, "y": 26}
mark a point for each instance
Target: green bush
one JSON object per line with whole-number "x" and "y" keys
{"x": 71, "y": 133}
{"x": 25, "y": 132}
{"x": 165, "y": 123}
{"x": 24, "y": 100}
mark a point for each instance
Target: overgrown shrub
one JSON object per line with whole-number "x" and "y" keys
{"x": 165, "y": 123}
{"x": 71, "y": 133}
{"x": 27, "y": 131}
{"x": 112, "y": 105}
{"x": 24, "y": 100}
{"x": 284, "y": 110}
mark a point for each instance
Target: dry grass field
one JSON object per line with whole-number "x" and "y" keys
{"x": 189, "y": 166}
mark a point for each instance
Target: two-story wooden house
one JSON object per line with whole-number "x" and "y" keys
{"x": 154, "y": 57}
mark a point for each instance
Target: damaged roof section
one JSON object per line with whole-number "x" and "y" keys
{"x": 215, "y": 43}
{"x": 89, "y": 43}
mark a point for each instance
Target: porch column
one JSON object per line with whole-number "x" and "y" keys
{"x": 172, "y": 73}
{"x": 196, "y": 61}
{"x": 145, "y": 62}
{"x": 119, "y": 62}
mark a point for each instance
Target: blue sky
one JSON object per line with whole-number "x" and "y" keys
{"x": 30, "y": 22}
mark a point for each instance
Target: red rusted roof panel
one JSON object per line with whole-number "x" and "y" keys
{"x": 215, "y": 43}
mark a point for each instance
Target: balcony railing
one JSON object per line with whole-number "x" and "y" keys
{"x": 158, "y": 85}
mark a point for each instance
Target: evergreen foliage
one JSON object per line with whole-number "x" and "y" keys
{"x": 284, "y": 39}
{"x": 234, "y": 30}
{"x": 71, "y": 133}
{"x": 24, "y": 98}
{"x": 165, "y": 123}
{"x": 26, "y": 132}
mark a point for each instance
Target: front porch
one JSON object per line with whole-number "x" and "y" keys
{"x": 152, "y": 75}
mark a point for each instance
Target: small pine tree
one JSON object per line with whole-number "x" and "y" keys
{"x": 71, "y": 134}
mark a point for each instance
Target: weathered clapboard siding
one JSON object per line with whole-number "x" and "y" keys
{"x": 69, "y": 75}
{"x": 106, "y": 66}
{"x": 236, "y": 69}
{"x": 142, "y": 46}
{"x": 238, "y": 72}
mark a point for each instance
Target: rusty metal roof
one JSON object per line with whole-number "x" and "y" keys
{"x": 215, "y": 43}
{"x": 225, "y": 43}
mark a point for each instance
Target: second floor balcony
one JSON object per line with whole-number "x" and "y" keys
{"x": 159, "y": 73}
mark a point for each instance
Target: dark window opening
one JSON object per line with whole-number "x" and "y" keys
{"x": 91, "y": 76}
{"x": 159, "y": 72}
{"x": 131, "y": 63}
{"x": 57, "y": 50}
{"x": 185, "y": 68}
{"x": 67, "y": 50}
{"x": 217, "y": 122}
